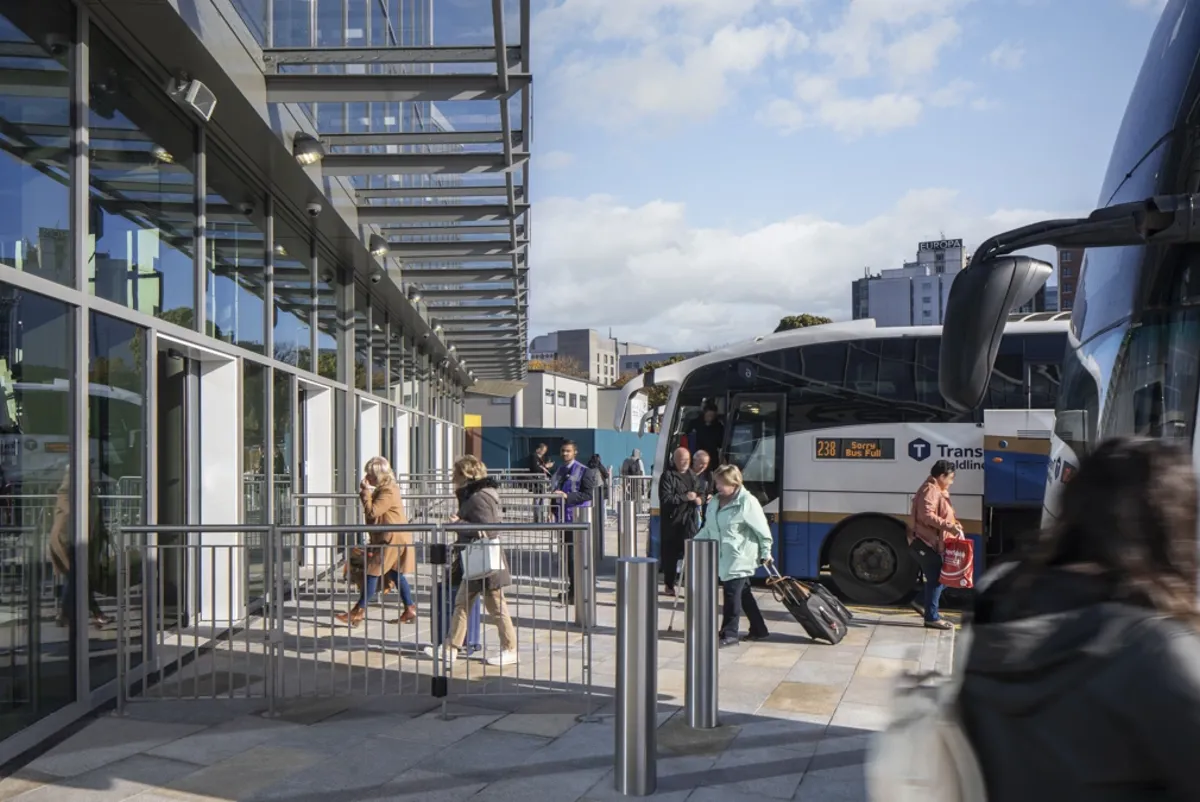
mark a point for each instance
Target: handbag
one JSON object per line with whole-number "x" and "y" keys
{"x": 958, "y": 563}
{"x": 481, "y": 558}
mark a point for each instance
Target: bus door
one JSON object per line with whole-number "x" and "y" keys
{"x": 754, "y": 432}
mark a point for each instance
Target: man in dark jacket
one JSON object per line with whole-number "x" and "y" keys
{"x": 679, "y": 515}
{"x": 704, "y": 481}
{"x": 708, "y": 434}
{"x": 576, "y": 483}
{"x": 538, "y": 464}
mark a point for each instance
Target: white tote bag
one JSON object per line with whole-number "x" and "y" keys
{"x": 482, "y": 558}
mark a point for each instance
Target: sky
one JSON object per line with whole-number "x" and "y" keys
{"x": 702, "y": 168}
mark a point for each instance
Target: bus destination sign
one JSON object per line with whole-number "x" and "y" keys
{"x": 856, "y": 448}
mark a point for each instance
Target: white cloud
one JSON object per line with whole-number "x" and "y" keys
{"x": 656, "y": 279}
{"x": 918, "y": 52}
{"x": 953, "y": 94}
{"x": 785, "y": 115}
{"x": 1007, "y": 56}
{"x": 678, "y": 78}
{"x": 643, "y": 20}
{"x": 555, "y": 160}
{"x": 855, "y": 116}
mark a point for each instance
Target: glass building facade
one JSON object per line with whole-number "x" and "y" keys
{"x": 181, "y": 342}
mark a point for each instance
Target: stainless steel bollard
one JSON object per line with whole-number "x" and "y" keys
{"x": 585, "y": 572}
{"x": 700, "y": 565}
{"x": 636, "y": 754}
{"x": 627, "y": 530}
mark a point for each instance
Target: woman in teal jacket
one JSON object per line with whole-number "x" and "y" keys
{"x": 736, "y": 520}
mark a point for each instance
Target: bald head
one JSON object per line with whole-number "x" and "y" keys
{"x": 682, "y": 459}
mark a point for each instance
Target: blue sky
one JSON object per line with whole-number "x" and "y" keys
{"x": 702, "y": 167}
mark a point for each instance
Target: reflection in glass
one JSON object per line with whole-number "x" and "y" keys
{"x": 116, "y": 430}
{"x": 327, "y": 356}
{"x": 35, "y": 138}
{"x": 362, "y": 341}
{"x": 142, "y": 192}
{"x": 254, "y": 468}
{"x": 293, "y": 300}
{"x": 283, "y": 439}
{"x": 37, "y": 610}
{"x": 235, "y": 275}
{"x": 396, "y": 366}
{"x": 379, "y": 352}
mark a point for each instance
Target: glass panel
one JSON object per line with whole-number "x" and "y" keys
{"x": 142, "y": 192}
{"x": 234, "y": 271}
{"x": 35, "y": 131}
{"x": 396, "y": 366}
{"x": 283, "y": 439}
{"x": 361, "y": 339}
{"x": 293, "y": 298}
{"x": 254, "y": 441}
{"x": 37, "y": 656}
{"x": 379, "y": 353}
{"x": 753, "y": 438}
{"x": 327, "y": 344}
{"x": 117, "y": 402}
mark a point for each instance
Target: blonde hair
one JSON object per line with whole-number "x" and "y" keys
{"x": 381, "y": 470}
{"x": 728, "y": 475}
{"x": 469, "y": 469}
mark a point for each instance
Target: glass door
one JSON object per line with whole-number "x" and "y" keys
{"x": 754, "y": 442}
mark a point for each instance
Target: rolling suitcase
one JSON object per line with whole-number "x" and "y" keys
{"x": 833, "y": 601}
{"x": 819, "y": 619}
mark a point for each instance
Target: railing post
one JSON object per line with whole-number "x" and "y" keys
{"x": 636, "y": 753}
{"x": 700, "y": 633}
{"x": 599, "y": 520}
{"x": 627, "y": 529}
{"x": 275, "y": 617}
{"x": 585, "y": 572}
{"x": 122, "y": 602}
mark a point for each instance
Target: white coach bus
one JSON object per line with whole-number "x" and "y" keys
{"x": 835, "y": 427}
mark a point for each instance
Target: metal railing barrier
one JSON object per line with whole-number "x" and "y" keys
{"x": 700, "y": 633}
{"x": 190, "y": 627}
{"x": 635, "y": 759}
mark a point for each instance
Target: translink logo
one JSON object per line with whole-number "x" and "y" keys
{"x": 919, "y": 449}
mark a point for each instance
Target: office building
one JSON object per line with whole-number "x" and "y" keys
{"x": 591, "y": 351}
{"x": 199, "y": 311}
{"x": 912, "y": 295}
{"x": 636, "y": 362}
{"x": 1070, "y": 267}
{"x": 547, "y": 401}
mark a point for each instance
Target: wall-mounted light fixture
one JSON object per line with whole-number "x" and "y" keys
{"x": 378, "y": 246}
{"x": 307, "y": 149}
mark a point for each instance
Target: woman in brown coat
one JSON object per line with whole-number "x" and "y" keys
{"x": 391, "y": 555}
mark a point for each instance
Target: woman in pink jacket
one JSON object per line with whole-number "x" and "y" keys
{"x": 933, "y": 520}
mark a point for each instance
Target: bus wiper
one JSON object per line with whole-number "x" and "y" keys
{"x": 1163, "y": 219}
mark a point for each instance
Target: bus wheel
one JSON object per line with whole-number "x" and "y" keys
{"x": 871, "y": 563}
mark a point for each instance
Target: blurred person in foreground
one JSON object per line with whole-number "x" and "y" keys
{"x": 736, "y": 520}
{"x": 479, "y": 503}
{"x": 1082, "y": 681}
{"x": 390, "y": 555}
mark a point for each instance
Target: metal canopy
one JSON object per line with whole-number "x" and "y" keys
{"x": 450, "y": 199}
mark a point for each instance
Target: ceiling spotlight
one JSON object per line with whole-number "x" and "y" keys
{"x": 378, "y": 246}
{"x": 280, "y": 250}
{"x": 414, "y": 295}
{"x": 438, "y": 329}
{"x": 162, "y": 154}
{"x": 307, "y": 149}
{"x": 453, "y": 348}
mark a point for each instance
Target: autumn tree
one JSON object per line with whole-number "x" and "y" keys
{"x": 562, "y": 365}
{"x": 656, "y": 395}
{"x": 800, "y": 322}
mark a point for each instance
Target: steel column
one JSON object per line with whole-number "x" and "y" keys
{"x": 635, "y": 760}
{"x": 700, "y": 632}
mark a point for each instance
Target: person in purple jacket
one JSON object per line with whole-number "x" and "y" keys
{"x": 576, "y": 483}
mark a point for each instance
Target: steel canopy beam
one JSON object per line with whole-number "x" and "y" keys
{"x": 341, "y": 164}
{"x": 451, "y": 276}
{"x": 449, "y": 231}
{"x": 468, "y": 295}
{"x": 383, "y": 215}
{"x": 387, "y": 55}
{"x": 420, "y": 138}
{"x": 438, "y": 250}
{"x": 467, "y": 191}
{"x": 402, "y": 88}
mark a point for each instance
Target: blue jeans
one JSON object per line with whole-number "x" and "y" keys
{"x": 931, "y": 566}
{"x": 372, "y": 587}
{"x": 736, "y": 599}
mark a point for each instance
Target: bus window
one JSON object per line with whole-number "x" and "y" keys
{"x": 925, "y": 371}
{"x": 754, "y": 439}
{"x": 1006, "y": 387}
{"x": 1044, "y": 384}
{"x": 1154, "y": 389}
{"x": 896, "y": 360}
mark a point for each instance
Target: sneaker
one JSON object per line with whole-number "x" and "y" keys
{"x": 941, "y": 623}
{"x": 731, "y": 641}
{"x": 505, "y": 658}
{"x": 753, "y": 638}
{"x": 440, "y": 653}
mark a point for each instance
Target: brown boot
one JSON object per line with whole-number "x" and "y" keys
{"x": 353, "y": 618}
{"x": 410, "y": 614}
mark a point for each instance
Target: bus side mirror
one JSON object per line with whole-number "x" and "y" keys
{"x": 981, "y": 298}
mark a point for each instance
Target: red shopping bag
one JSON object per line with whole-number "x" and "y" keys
{"x": 958, "y": 563}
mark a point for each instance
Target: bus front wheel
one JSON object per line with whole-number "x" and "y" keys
{"x": 871, "y": 563}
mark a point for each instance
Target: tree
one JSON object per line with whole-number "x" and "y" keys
{"x": 562, "y": 365}
{"x": 800, "y": 322}
{"x": 656, "y": 395}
